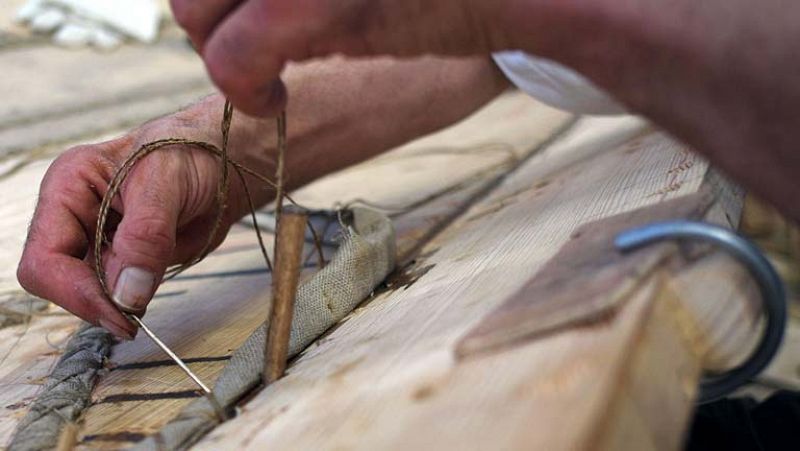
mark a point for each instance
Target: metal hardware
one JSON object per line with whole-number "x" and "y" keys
{"x": 769, "y": 283}
{"x": 203, "y": 387}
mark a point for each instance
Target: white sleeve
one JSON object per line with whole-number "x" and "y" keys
{"x": 554, "y": 84}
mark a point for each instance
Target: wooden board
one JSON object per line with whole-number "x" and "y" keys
{"x": 587, "y": 280}
{"x": 77, "y": 94}
{"x": 395, "y": 354}
{"x": 55, "y": 98}
{"x": 54, "y": 95}
{"x": 208, "y": 311}
{"x": 388, "y": 378}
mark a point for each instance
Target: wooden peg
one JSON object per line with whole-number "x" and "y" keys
{"x": 288, "y": 256}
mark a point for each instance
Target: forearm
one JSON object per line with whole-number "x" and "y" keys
{"x": 721, "y": 75}
{"x": 343, "y": 112}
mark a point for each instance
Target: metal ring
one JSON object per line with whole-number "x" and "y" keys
{"x": 770, "y": 284}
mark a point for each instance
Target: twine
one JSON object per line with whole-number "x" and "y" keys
{"x": 121, "y": 174}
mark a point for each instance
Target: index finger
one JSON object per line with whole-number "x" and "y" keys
{"x": 247, "y": 51}
{"x": 200, "y": 17}
{"x": 53, "y": 265}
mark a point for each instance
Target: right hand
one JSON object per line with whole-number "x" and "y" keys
{"x": 245, "y": 44}
{"x": 165, "y": 211}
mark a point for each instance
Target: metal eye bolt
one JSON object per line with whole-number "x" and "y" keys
{"x": 770, "y": 285}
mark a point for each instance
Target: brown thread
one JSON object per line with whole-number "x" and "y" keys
{"x": 123, "y": 171}
{"x": 222, "y": 193}
{"x": 279, "y": 171}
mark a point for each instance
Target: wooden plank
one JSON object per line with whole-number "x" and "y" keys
{"x": 779, "y": 238}
{"x": 585, "y": 282}
{"x": 86, "y": 124}
{"x": 388, "y": 378}
{"x": 694, "y": 324}
{"x": 652, "y": 396}
{"x": 13, "y": 34}
{"x": 55, "y": 95}
{"x": 49, "y": 81}
{"x": 207, "y": 312}
{"x": 18, "y": 194}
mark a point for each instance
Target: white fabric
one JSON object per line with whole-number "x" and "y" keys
{"x": 102, "y": 23}
{"x": 555, "y": 85}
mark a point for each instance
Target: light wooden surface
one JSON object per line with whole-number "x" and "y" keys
{"x": 76, "y": 95}
{"x": 289, "y": 245}
{"x": 203, "y": 323}
{"x": 52, "y": 99}
{"x": 388, "y": 377}
{"x": 52, "y": 95}
{"x": 207, "y": 312}
{"x": 780, "y": 239}
{"x": 588, "y": 280}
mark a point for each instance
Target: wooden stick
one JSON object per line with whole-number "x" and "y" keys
{"x": 288, "y": 256}
{"x": 68, "y": 438}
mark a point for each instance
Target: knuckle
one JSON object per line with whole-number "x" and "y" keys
{"x": 61, "y": 193}
{"x": 66, "y": 193}
{"x": 73, "y": 152}
{"x": 77, "y": 153}
{"x": 73, "y": 160}
{"x": 65, "y": 160}
{"x": 150, "y": 237}
{"x": 246, "y": 89}
{"x": 223, "y": 74}
{"x": 27, "y": 273}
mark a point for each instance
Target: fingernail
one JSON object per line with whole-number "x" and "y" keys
{"x": 134, "y": 289}
{"x": 115, "y": 329}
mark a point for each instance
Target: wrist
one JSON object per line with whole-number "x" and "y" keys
{"x": 250, "y": 143}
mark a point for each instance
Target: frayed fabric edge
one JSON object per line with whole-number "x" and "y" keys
{"x": 67, "y": 391}
{"x": 365, "y": 257}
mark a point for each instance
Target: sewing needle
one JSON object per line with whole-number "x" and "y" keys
{"x": 206, "y": 391}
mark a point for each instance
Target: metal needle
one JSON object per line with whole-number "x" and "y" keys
{"x": 207, "y": 391}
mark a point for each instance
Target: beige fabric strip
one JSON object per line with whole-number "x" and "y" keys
{"x": 365, "y": 257}
{"x": 66, "y": 392}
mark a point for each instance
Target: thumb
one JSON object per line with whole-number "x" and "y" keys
{"x": 143, "y": 244}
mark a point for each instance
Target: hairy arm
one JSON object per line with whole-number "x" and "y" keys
{"x": 345, "y": 111}
{"x": 719, "y": 74}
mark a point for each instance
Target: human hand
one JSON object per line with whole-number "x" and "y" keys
{"x": 167, "y": 204}
{"x": 246, "y": 43}
{"x": 162, "y": 216}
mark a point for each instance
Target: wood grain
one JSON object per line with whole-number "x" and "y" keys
{"x": 219, "y": 293}
{"x": 584, "y": 282}
{"x": 207, "y": 312}
{"x": 289, "y": 241}
{"x": 388, "y": 378}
